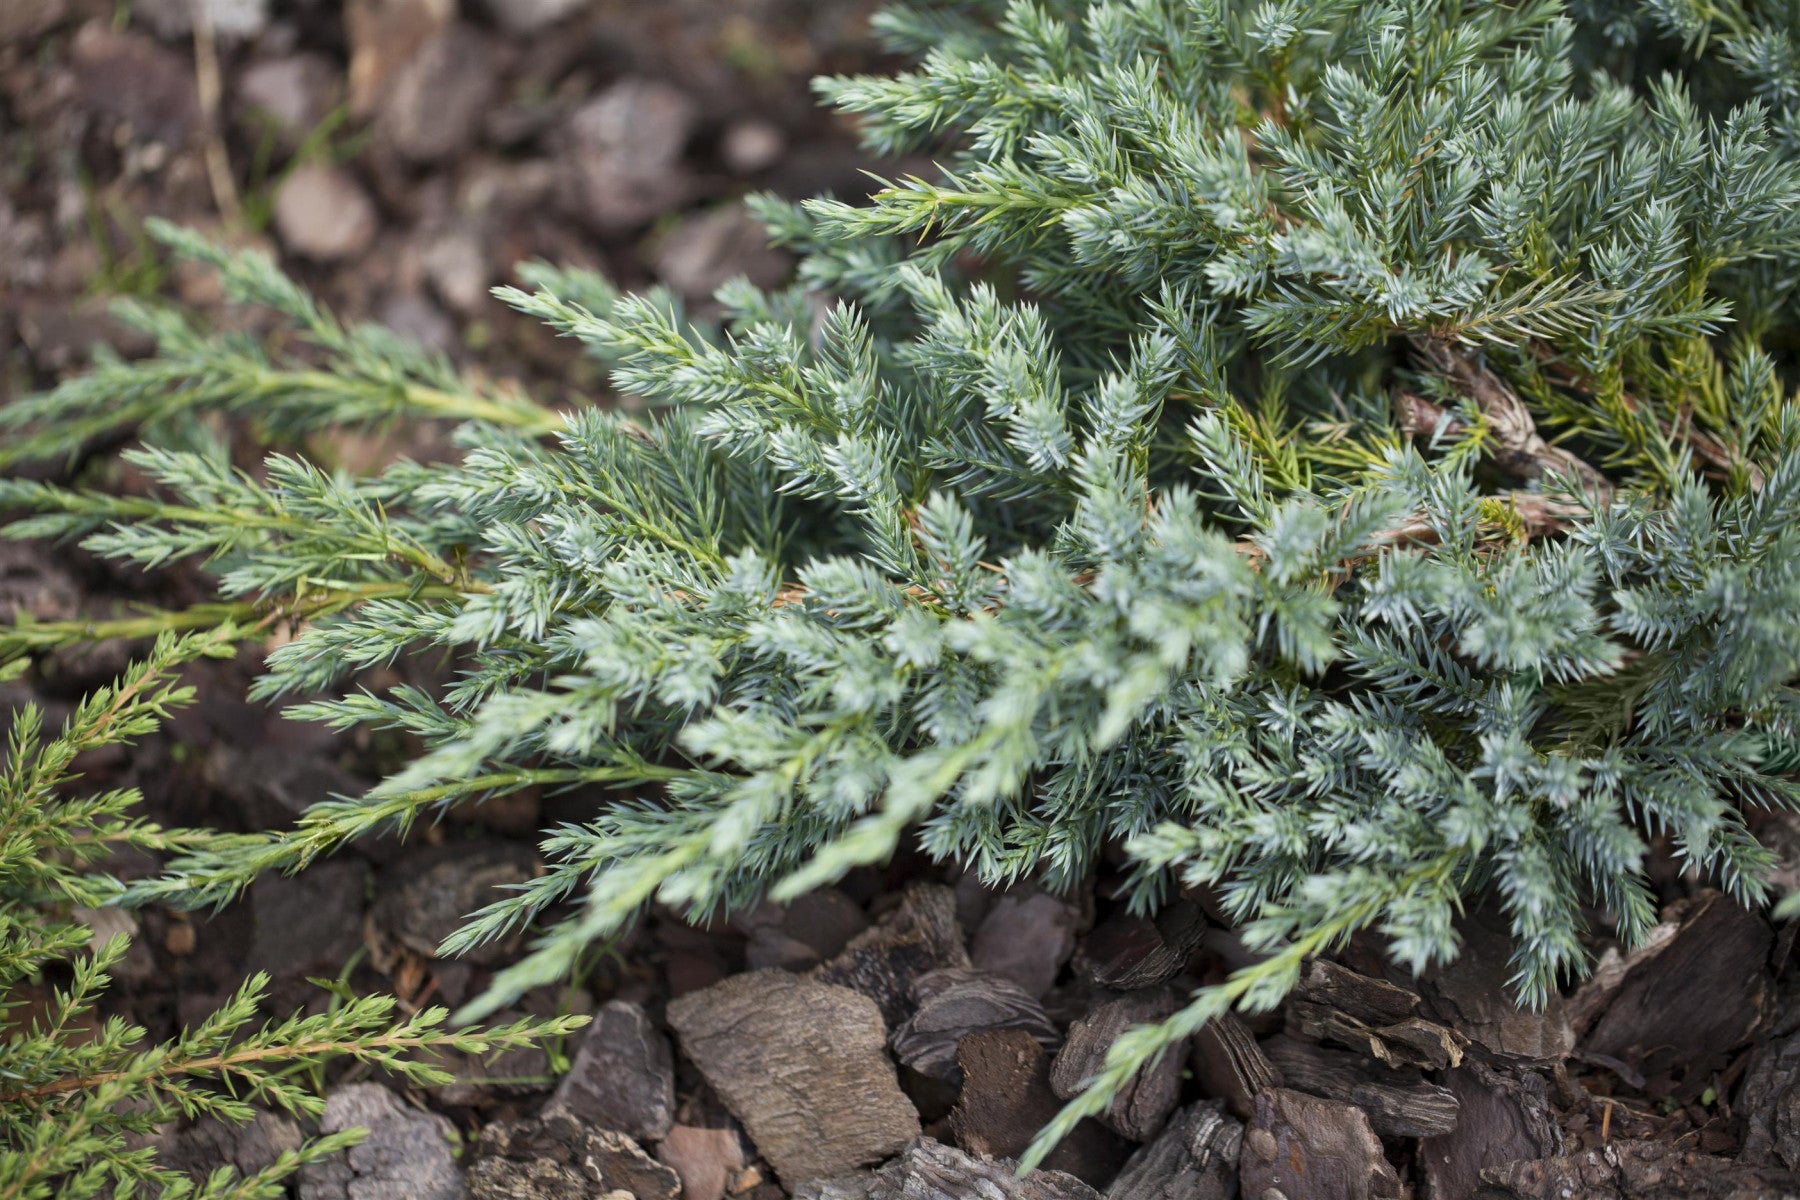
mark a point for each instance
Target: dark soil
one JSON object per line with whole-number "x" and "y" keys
{"x": 880, "y": 1038}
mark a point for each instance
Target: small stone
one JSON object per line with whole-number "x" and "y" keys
{"x": 956, "y": 1002}
{"x": 322, "y": 213}
{"x": 1312, "y": 1149}
{"x": 384, "y": 36}
{"x": 704, "y": 252}
{"x": 709, "y": 1161}
{"x": 558, "y": 1158}
{"x": 138, "y": 965}
{"x": 623, "y": 1076}
{"x": 838, "y": 1105}
{"x": 292, "y": 95}
{"x": 199, "y": 1149}
{"x": 1195, "y": 1157}
{"x": 418, "y": 320}
{"x": 458, "y": 268}
{"x": 1026, "y": 936}
{"x": 439, "y": 96}
{"x": 623, "y": 153}
{"x": 752, "y": 145}
{"x": 1145, "y": 1102}
{"x": 886, "y": 962}
{"x": 407, "y": 1155}
{"x": 132, "y": 79}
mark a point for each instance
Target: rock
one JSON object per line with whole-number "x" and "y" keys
{"x": 1143, "y": 1104}
{"x": 708, "y": 1161}
{"x": 385, "y": 35}
{"x": 1128, "y": 952}
{"x": 803, "y": 1065}
{"x": 482, "y": 1080}
{"x": 407, "y": 1155}
{"x": 322, "y": 213}
{"x": 1399, "y": 1104}
{"x": 1194, "y": 1158}
{"x": 529, "y": 16}
{"x": 1304, "y": 1148}
{"x": 930, "y": 1170}
{"x": 799, "y": 935}
{"x": 1769, "y": 1103}
{"x": 139, "y": 964}
{"x": 623, "y": 154}
{"x": 1638, "y": 1170}
{"x": 705, "y": 251}
{"x": 752, "y": 145}
{"x": 292, "y": 95}
{"x": 21, "y": 21}
{"x": 458, "y": 269}
{"x": 1006, "y": 1099}
{"x": 437, "y": 98}
{"x": 1026, "y": 936}
{"x": 427, "y": 895}
{"x": 885, "y": 962}
{"x": 229, "y": 19}
{"x": 623, "y": 1076}
{"x": 1661, "y": 1022}
{"x": 1502, "y": 1118}
{"x": 1229, "y": 1064}
{"x": 956, "y": 1002}
{"x": 135, "y": 81}
{"x": 557, "y": 1158}
{"x": 418, "y": 320}
{"x": 309, "y": 923}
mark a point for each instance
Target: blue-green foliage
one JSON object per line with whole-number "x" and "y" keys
{"x": 1063, "y": 500}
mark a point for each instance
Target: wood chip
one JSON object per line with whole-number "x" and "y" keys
{"x": 1503, "y": 1117}
{"x": 1769, "y": 1103}
{"x": 1399, "y": 1104}
{"x": 1305, "y": 1148}
{"x": 1194, "y": 1158}
{"x": 1638, "y": 1170}
{"x": 1473, "y": 993}
{"x": 1006, "y": 1099}
{"x": 1229, "y": 1064}
{"x": 1145, "y": 1102}
{"x": 803, "y": 1065}
{"x": 956, "y": 1002}
{"x": 1662, "y": 1021}
{"x": 623, "y": 1076}
{"x": 885, "y": 962}
{"x": 1128, "y": 952}
{"x": 1332, "y": 1003}
{"x": 930, "y": 1170}
{"x": 557, "y": 1157}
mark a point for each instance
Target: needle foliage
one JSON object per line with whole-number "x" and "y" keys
{"x": 1343, "y": 453}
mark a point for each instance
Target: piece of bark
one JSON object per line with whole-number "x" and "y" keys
{"x": 1637, "y": 1170}
{"x": 958, "y": 1001}
{"x": 1503, "y": 1117}
{"x": 1139, "y": 1108}
{"x": 803, "y": 1065}
{"x": 1473, "y": 994}
{"x": 1307, "y": 1148}
{"x": 1195, "y": 1157}
{"x": 1695, "y": 1002}
{"x": 884, "y": 962}
{"x": 1129, "y": 952}
{"x": 623, "y": 1076}
{"x": 1229, "y": 1064}
{"x": 930, "y": 1170}
{"x": 558, "y": 1158}
{"x": 800, "y": 934}
{"x": 1006, "y": 1099}
{"x": 1027, "y": 936}
{"x": 1609, "y": 974}
{"x": 1768, "y": 1103}
{"x": 1399, "y": 1104}
{"x": 1332, "y": 1003}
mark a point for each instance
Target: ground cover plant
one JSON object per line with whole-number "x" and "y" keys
{"x": 1340, "y": 454}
